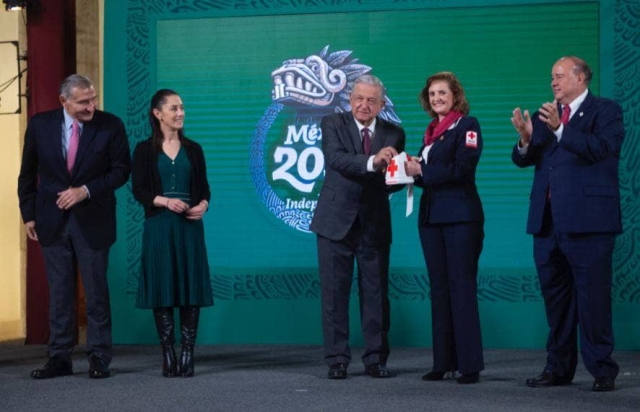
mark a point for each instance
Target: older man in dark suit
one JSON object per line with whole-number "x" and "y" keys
{"x": 574, "y": 143}
{"x": 74, "y": 159}
{"x": 353, "y": 222}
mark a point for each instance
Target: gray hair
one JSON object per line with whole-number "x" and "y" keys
{"x": 580, "y": 66}
{"x": 73, "y": 81}
{"x": 372, "y": 81}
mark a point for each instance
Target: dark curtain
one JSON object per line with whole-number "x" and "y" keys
{"x": 51, "y": 56}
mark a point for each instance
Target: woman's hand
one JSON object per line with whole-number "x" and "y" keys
{"x": 177, "y": 205}
{"x": 412, "y": 167}
{"x": 198, "y": 211}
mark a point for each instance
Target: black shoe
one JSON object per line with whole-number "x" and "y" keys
{"x": 605, "y": 384}
{"x": 546, "y": 379}
{"x": 338, "y": 371}
{"x": 469, "y": 378}
{"x": 377, "y": 370}
{"x": 98, "y": 369}
{"x": 433, "y": 376}
{"x": 55, "y": 366}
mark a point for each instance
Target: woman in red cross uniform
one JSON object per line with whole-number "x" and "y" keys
{"x": 451, "y": 226}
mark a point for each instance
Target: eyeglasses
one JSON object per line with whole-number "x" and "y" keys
{"x": 370, "y": 101}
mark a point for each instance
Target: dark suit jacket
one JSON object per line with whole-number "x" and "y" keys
{"x": 350, "y": 192}
{"x": 102, "y": 164}
{"x": 580, "y": 172}
{"x": 448, "y": 178}
{"x": 145, "y": 178}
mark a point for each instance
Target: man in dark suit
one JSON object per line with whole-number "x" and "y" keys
{"x": 574, "y": 143}
{"x": 74, "y": 159}
{"x": 353, "y": 222}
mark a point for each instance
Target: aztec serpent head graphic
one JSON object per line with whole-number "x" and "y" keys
{"x": 320, "y": 84}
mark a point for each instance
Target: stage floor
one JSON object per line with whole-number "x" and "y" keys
{"x": 293, "y": 378}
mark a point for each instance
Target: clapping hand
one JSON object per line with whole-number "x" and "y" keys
{"x": 523, "y": 125}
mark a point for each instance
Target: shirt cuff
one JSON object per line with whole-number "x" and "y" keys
{"x": 370, "y": 167}
{"x": 86, "y": 189}
{"x": 558, "y": 132}
{"x": 522, "y": 150}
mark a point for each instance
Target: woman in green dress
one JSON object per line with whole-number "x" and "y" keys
{"x": 169, "y": 179}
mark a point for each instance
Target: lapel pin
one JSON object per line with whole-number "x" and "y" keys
{"x": 581, "y": 114}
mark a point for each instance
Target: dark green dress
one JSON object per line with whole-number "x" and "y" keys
{"x": 175, "y": 269}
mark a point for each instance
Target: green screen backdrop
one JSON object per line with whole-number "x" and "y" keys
{"x": 256, "y": 81}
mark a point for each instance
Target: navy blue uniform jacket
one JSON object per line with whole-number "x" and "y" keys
{"x": 448, "y": 178}
{"x": 580, "y": 172}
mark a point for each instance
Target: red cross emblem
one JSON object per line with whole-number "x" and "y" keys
{"x": 392, "y": 168}
{"x": 470, "y": 139}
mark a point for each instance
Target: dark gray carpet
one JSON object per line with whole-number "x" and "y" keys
{"x": 293, "y": 378}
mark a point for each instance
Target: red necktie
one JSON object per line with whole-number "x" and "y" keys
{"x": 566, "y": 112}
{"x": 73, "y": 145}
{"x": 366, "y": 141}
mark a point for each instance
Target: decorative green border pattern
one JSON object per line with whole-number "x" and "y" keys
{"x": 142, "y": 14}
{"x": 626, "y": 91}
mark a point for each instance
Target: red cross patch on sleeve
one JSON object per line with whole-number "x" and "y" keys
{"x": 472, "y": 139}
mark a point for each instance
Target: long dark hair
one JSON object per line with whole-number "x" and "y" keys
{"x": 157, "y": 101}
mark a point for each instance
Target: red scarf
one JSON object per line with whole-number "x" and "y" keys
{"x": 436, "y": 128}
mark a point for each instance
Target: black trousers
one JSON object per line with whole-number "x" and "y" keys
{"x": 451, "y": 252}
{"x": 69, "y": 253}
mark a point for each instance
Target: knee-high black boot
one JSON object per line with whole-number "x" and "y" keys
{"x": 164, "y": 324}
{"x": 188, "y": 328}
